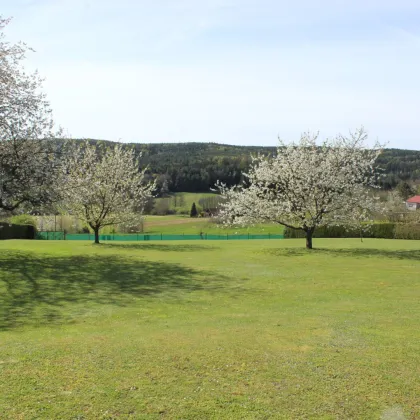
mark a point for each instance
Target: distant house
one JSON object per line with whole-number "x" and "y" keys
{"x": 413, "y": 203}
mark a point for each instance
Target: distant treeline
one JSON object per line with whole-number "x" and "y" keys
{"x": 399, "y": 165}
{"x": 196, "y": 167}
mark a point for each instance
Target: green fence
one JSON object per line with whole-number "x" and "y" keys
{"x": 144, "y": 237}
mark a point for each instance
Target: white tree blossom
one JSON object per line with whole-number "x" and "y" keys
{"x": 27, "y": 164}
{"x": 306, "y": 185}
{"x": 104, "y": 187}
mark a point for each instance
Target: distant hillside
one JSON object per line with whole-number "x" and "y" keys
{"x": 399, "y": 165}
{"x": 196, "y": 167}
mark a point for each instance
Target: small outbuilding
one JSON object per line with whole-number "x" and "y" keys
{"x": 413, "y": 203}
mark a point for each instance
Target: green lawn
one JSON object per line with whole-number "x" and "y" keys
{"x": 190, "y": 198}
{"x": 181, "y": 202}
{"x": 210, "y": 330}
{"x": 175, "y": 225}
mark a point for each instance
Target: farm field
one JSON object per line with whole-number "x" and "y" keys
{"x": 210, "y": 330}
{"x": 181, "y": 202}
{"x": 184, "y": 224}
{"x": 190, "y": 198}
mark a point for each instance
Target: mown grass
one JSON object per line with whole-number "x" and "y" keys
{"x": 176, "y": 225}
{"x": 171, "y": 225}
{"x": 189, "y": 199}
{"x": 217, "y": 330}
{"x": 181, "y": 202}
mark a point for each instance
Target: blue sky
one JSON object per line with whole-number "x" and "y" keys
{"x": 227, "y": 71}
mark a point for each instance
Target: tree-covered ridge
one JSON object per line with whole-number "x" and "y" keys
{"x": 399, "y": 165}
{"x": 196, "y": 167}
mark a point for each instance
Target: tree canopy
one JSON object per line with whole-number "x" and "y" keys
{"x": 104, "y": 187}
{"x": 27, "y": 162}
{"x": 305, "y": 185}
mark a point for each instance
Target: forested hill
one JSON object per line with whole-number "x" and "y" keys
{"x": 399, "y": 165}
{"x": 196, "y": 167}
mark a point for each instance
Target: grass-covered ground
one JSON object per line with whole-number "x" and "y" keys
{"x": 168, "y": 225}
{"x": 175, "y": 225}
{"x": 210, "y": 330}
{"x": 181, "y": 202}
{"x": 184, "y": 200}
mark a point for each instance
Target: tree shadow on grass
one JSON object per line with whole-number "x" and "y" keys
{"x": 347, "y": 252}
{"x": 159, "y": 247}
{"x": 41, "y": 289}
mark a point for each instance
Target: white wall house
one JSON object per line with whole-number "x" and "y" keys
{"x": 413, "y": 203}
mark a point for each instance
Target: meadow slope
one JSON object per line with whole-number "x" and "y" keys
{"x": 210, "y": 330}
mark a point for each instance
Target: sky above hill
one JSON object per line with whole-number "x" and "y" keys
{"x": 226, "y": 71}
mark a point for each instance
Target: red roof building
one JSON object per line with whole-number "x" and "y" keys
{"x": 413, "y": 203}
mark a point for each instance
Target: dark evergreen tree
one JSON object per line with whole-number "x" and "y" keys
{"x": 405, "y": 190}
{"x": 193, "y": 212}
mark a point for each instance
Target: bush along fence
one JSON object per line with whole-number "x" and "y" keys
{"x": 11, "y": 231}
{"x": 377, "y": 230}
{"x": 152, "y": 237}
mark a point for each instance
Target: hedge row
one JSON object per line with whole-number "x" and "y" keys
{"x": 10, "y": 231}
{"x": 407, "y": 231}
{"x": 377, "y": 230}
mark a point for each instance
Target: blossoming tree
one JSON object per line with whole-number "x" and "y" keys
{"x": 27, "y": 159}
{"x": 104, "y": 187}
{"x": 306, "y": 185}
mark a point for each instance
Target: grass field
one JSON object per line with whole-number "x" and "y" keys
{"x": 190, "y": 198}
{"x": 215, "y": 330}
{"x": 174, "y": 225}
{"x": 181, "y": 202}
{"x": 169, "y": 225}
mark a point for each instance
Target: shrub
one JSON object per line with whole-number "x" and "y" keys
{"x": 293, "y": 233}
{"x": 382, "y": 230}
{"x": 162, "y": 207}
{"x": 377, "y": 230}
{"x": 323, "y": 232}
{"x": 10, "y": 231}
{"x": 407, "y": 231}
{"x": 23, "y": 219}
{"x": 182, "y": 211}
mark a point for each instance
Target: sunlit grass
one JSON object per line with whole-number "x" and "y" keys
{"x": 218, "y": 330}
{"x": 175, "y": 225}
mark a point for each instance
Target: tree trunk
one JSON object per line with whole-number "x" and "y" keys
{"x": 309, "y": 234}
{"x": 96, "y": 230}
